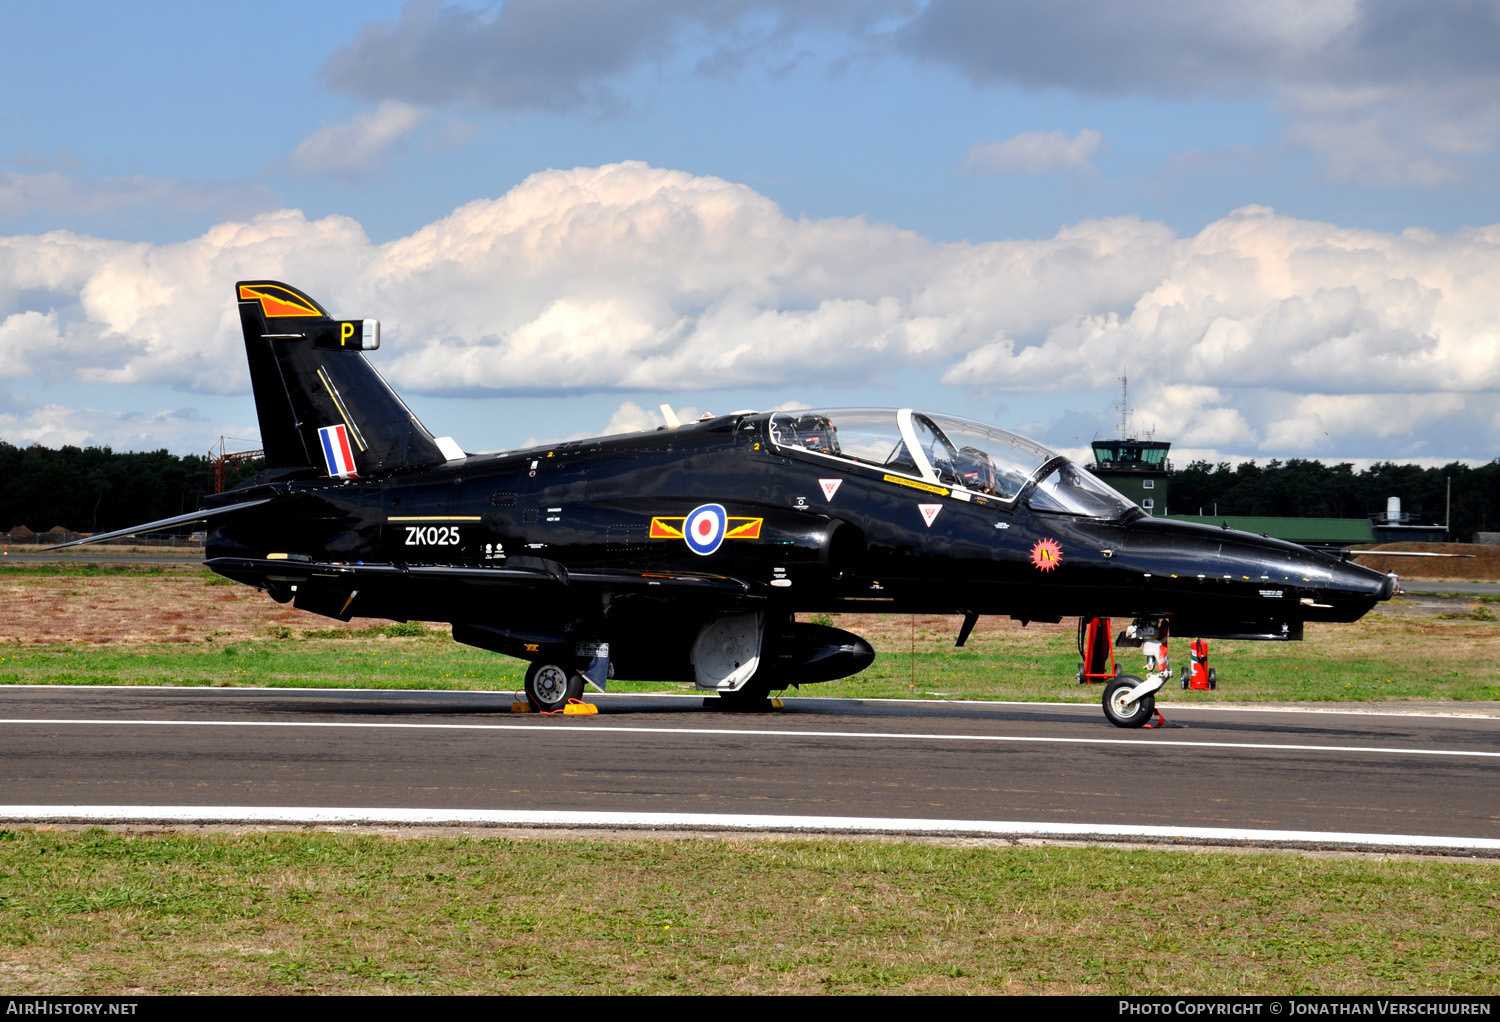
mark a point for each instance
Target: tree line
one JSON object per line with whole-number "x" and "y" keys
{"x": 1311, "y": 489}
{"x": 96, "y": 489}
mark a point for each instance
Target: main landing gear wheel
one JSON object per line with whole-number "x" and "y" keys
{"x": 550, "y": 686}
{"x": 1120, "y": 715}
{"x": 752, "y": 697}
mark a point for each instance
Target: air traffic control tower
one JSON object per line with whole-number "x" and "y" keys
{"x": 1139, "y": 469}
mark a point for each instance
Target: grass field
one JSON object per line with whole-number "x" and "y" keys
{"x": 90, "y": 911}
{"x": 181, "y": 625}
{"x": 338, "y": 913}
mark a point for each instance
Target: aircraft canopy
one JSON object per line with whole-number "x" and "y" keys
{"x": 951, "y": 451}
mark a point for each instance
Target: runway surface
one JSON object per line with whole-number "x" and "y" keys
{"x": 1465, "y": 588}
{"x": 1250, "y": 775}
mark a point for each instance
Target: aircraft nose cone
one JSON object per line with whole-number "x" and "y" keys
{"x": 1350, "y": 581}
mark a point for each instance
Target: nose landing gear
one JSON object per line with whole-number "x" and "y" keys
{"x": 1128, "y": 701}
{"x": 1131, "y": 701}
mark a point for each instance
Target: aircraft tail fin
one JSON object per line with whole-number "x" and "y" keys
{"x": 320, "y": 402}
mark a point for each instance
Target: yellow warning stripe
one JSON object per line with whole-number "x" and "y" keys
{"x": 941, "y": 491}
{"x": 338, "y": 405}
{"x": 435, "y": 518}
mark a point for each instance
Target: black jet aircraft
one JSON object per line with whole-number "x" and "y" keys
{"x": 685, "y": 554}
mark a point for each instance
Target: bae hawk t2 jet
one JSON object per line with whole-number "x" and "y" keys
{"x": 685, "y": 554}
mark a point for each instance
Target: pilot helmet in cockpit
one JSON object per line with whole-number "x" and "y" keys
{"x": 976, "y": 470}
{"x": 815, "y": 433}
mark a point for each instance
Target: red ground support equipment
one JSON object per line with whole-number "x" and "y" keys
{"x": 1200, "y": 675}
{"x": 1097, "y": 652}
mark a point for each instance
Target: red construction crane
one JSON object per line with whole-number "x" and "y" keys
{"x": 222, "y": 458}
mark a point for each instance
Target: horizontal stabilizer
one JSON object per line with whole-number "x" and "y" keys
{"x": 1403, "y": 553}
{"x": 165, "y": 523}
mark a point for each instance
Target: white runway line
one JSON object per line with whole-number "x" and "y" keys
{"x": 547, "y": 728}
{"x": 726, "y": 822}
{"x": 1427, "y": 711}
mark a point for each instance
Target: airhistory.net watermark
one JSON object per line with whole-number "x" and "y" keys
{"x": 53, "y": 1006}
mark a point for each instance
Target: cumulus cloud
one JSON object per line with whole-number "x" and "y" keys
{"x": 1272, "y": 301}
{"x": 1313, "y": 419}
{"x": 137, "y": 312}
{"x": 360, "y": 146}
{"x": 632, "y": 278}
{"x": 24, "y": 338}
{"x": 632, "y": 418}
{"x": 1192, "y": 416}
{"x": 1034, "y": 152}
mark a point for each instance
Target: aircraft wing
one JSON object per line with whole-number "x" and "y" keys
{"x": 164, "y": 523}
{"x": 520, "y": 571}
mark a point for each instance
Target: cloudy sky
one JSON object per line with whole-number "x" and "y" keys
{"x": 1280, "y": 217}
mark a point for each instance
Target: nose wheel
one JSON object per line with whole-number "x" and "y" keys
{"x": 1127, "y": 703}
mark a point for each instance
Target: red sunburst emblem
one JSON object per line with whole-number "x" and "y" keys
{"x": 1046, "y": 554}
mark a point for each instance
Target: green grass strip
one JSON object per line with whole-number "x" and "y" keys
{"x": 411, "y": 656}
{"x": 337, "y": 913}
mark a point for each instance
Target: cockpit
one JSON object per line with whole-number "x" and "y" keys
{"x": 971, "y": 458}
